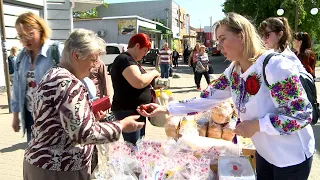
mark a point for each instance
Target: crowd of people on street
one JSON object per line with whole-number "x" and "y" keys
{"x": 55, "y": 86}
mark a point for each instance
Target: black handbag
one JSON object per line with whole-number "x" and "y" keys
{"x": 210, "y": 69}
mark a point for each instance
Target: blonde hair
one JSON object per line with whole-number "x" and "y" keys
{"x": 195, "y": 47}
{"x": 84, "y": 42}
{"x": 253, "y": 45}
{"x": 14, "y": 51}
{"x": 34, "y": 21}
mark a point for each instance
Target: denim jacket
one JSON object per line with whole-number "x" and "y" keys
{"x": 44, "y": 62}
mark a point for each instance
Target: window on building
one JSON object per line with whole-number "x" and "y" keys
{"x": 112, "y": 50}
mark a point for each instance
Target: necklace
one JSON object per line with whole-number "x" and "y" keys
{"x": 241, "y": 106}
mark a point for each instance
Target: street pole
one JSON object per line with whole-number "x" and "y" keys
{"x": 4, "y": 51}
{"x": 211, "y": 39}
{"x": 297, "y": 18}
{"x": 189, "y": 27}
{"x": 167, "y": 16}
{"x": 200, "y": 35}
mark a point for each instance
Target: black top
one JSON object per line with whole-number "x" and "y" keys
{"x": 125, "y": 96}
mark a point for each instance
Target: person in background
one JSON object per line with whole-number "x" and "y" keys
{"x": 12, "y": 61}
{"x": 186, "y": 54}
{"x": 165, "y": 60}
{"x": 302, "y": 46}
{"x": 99, "y": 76}
{"x": 193, "y": 59}
{"x": 276, "y": 118}
{"x": 276, "y": 35}
{"x": 202, "y": 67}
{"x": 193, "y": 56}
{"x": 175, "y": 56}
{"x": 65, "y": 128}
{"x": 131, "y": 83}
{"x": 33, "y": 61}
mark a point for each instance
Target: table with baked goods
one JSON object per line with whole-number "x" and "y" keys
{"x": 199, "y": 147}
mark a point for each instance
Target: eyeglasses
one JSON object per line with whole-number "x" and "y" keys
{"x": 266, "y": 34}
{"x": 26, "y": 36}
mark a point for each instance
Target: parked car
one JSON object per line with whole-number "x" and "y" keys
{"x": 151, "y": 57}
{"x": 113, "y": 50}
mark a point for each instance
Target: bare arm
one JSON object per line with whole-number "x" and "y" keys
{"x": 136, "y": 79}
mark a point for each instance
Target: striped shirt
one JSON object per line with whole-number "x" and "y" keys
{"x": 165, "y": 56}
{"x": 202, "y": 62}
{"x": 64, "y": 125}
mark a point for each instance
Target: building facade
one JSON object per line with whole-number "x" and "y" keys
{"x": 58, "y": 14}
{"x": 119, "y": 29}
{"x": 166, "y": 11}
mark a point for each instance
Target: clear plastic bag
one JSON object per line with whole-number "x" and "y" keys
{"x": 214, "y": 130}
{"x": 121, "y": 162}
{"x": 162, "y": 119}
{"x": 171, "y": 127}
{"x": 222, "y": 113}
{"x": 202, "y": 120}
{"x": 188, "y": 126}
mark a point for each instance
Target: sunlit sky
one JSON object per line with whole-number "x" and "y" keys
{"x": 198, "y": 9}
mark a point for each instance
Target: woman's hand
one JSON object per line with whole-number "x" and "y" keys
{"x": 16, "y": 123}
{"x": 151, "y": 110}
{"x": 130, "y": 124}
{"x": 247, "y": 129}
{"x": 100, "y": 115}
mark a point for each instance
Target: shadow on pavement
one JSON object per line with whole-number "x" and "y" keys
{"x": 183, "y": 69}
{"x": 4, "y": 106}
{"x": 172, "y": 88}
{"x": 19, "y": 146}
{"x": 186, "y": 91}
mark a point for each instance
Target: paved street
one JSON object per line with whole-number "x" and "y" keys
{"x": 12, "y": 144}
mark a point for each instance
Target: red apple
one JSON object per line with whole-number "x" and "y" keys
{"x": 148, "y": 109}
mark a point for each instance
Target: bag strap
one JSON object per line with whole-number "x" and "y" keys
{"x": 152, "y": 82}
{"x": 265, "y": 62}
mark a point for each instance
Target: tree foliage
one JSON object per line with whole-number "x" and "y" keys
{"x": 162, "y": 21}
{"x": 258, "y": 10}
{"x": 92, "y": 13}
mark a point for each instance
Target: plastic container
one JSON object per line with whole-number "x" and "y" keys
{"x": 168, "y": 92}
{"x": 235, "y": 168}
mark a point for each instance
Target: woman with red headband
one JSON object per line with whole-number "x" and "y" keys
{"x": 131, "y": 83}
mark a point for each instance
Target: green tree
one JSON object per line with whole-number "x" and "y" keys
{"x": 258, "y": 10}
{"x": 162, "y": 21}
{"x": 92, "y": 13}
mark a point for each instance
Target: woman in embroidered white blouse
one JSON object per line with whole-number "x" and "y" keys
{"x": 276, "y": 118}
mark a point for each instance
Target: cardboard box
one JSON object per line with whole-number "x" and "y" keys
{"x": 249, "y": 150}
{"x": 251, "y": 154}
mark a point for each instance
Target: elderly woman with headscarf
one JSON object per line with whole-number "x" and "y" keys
{"x": 65, "y": 127}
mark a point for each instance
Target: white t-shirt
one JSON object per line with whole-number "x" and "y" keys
{"x": 31, "y": 87}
